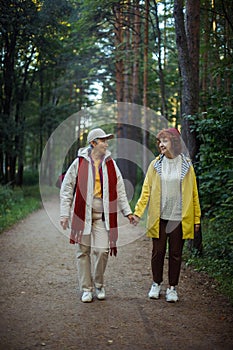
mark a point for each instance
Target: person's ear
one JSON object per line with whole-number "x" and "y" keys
{"x": 93, "y": 143}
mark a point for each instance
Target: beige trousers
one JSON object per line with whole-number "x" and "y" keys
{"x": 92, "y": 253}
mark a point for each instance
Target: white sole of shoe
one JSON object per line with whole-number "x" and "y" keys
{"x": 86, "y": 301}
{"x": 153, "y": 297}
{"x": 172, "y": 300}
{"x": 100, "y": 296}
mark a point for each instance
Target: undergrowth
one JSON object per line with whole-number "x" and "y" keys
{"x": 16, "y": 204}
{"x": 217, "y": 257}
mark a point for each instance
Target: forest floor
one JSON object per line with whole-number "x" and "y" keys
{"x": 41, "y": 308}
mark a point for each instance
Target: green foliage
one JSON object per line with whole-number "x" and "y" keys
{"x": 216, "y": 185}
{"x": 6, "y": 199}
{"x": 215, "y": 176}
{"x": 30, "y": 177}
{"x": 17, "y": 204}
{"x": 217, "y": 259}
{"x": 215, "y": 165}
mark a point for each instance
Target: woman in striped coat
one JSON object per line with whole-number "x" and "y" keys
{"x": 170, "y": 191}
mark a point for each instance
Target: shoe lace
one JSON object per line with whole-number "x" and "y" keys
{"x": 172, "y": 292}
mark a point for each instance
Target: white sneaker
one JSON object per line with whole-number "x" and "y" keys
{"x": 171, "y": 295}
{"x": 86, "y": 297}
{"x": 154, "y": 291}
{"x": 100, "y": 293}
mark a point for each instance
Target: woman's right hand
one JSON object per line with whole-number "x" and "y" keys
{"x": 135, "y": 220}
{"x": 64, "y": 223}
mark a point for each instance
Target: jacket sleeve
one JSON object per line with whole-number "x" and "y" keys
{"x": 145, "y": 194}
{"x": 121, "y": 194}
{"x": 196, "y": 204}
{"x": 67, "y": 189}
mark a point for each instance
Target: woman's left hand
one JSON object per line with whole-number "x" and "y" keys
{"x": 197, "y": 228}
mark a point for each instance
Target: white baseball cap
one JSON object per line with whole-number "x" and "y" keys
{"x": 98, "y": 134}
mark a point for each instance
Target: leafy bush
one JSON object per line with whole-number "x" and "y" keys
{"x": 17, "y": 203}
{"x": 215, "y": 176}
{"x": 215, "y": 158}
{"x": 30, "y": 177}
{"x": 6, "y": 200}
{"x": 217, "y": 260}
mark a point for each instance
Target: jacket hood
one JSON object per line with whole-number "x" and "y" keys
{"x": 186, "y": 163}
{"x": 84, "y": 152}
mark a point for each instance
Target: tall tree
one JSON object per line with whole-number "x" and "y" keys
{"x": 136, "y": 52}
{"x": 118, "y": 26}
{"x": 17, "y": 29}
{"x": 25, "y": 27}
{"x": 187, "y": 28}
{"x": 145, "y": 86}
{"x": 161, "y": 60}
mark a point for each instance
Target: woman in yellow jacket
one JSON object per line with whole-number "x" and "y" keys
{"x": 170, "y": 191}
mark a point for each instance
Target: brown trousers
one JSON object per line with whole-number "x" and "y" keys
{"x": 170, "y": 231}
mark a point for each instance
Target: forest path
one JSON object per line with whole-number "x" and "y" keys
{"x": 41, "y": 308}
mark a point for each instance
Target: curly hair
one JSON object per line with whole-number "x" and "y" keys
{"x": 174, "y": 136}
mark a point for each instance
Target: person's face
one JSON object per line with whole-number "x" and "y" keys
{"x": 101, "y": 146}
{"x": 165, "y": 147}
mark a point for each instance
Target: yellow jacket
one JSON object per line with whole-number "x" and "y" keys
{"x": 151, "y": 196}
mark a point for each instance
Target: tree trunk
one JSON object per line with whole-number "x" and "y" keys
{"x": 161, "y": 75}
{"x": 125, "y": 93}
{"x": 136, "y": 43}
{"x": 119, "y": 52}
{"x": 187, "y": 40}
{"x": 145, "y": 87}
{"x": 7, "y": 107}
{"x": 127, "y": 65}
{"x": 205, "y": 59}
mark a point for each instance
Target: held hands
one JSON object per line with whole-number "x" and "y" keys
{"x": 133, "y": 219}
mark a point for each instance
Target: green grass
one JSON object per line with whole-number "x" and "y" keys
{"x": 17, "y": 204}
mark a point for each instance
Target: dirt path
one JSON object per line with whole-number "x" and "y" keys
{"x": 41, "y": 307}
